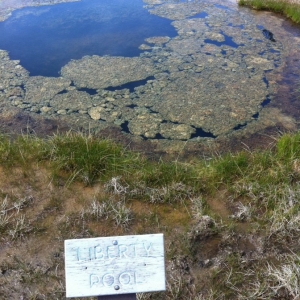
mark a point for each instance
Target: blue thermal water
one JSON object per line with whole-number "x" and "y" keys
{"x": 48, "y": 37}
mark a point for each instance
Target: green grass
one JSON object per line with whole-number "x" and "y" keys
{"x": 164, "y": 173}
{"x": 264, "y": 179}
{"x": 82, "y": 157}
{"x": 89, "y": 160}
{"x": 288, "y": 147}
{"x": 291, "y": 10}
{"x": 260, "y": 189}
{"x": 22, "y": 151}
{"x": 76, "y": 157}
{"x": 230, "y": 166}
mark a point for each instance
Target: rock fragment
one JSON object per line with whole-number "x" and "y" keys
{"x": 41, "y": 89}
{"x": 145, "y": 124}
{"x": 176, "y": 131}
{"x": 97, "y": 72}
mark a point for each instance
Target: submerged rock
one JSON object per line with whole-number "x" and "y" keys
{"x": 41, "y": 89}
{"x": 177, "y": 11}
{"x": 145, "y": 124}
{"x": 176, "y": 131}
{"x": 73, "y": 101}
{"x": 12, "y": 79}
{"x": 145, "y": 47}
{"x": 95, "y": 112}
{"x": 268, "y": 35}
{"x": 157, "y": 40}
{"x": 218, "y": 37}
{"x": 97, "y": 72}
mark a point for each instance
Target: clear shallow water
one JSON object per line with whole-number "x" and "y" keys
{"x": 46, "y": 38}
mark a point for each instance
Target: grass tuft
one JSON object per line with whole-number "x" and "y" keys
{"x": 288, "y": 147}
{"x": 290, "y": 9}
{"x": 89, "y": 159}
{"x": 22, "y": 151}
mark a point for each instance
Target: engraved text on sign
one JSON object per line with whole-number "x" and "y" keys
{"x": 114, "y": 265}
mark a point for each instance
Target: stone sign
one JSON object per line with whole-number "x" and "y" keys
{"x": 114, "y": 265}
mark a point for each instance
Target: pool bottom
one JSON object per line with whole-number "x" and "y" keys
{"x": 18, "y": 122}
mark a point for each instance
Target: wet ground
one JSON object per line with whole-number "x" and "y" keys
{"x": 211, "y": 79}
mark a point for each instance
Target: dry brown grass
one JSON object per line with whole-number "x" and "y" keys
{"x": 231, "y": 224}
